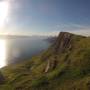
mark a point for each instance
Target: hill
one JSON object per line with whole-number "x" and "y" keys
{"x": 65, "y": 65}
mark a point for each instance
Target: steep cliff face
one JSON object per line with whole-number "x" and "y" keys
{"x": 61, "y": 49}
{"x": 63, "y": 42}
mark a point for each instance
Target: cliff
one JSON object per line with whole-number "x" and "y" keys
{"x": 63, "y": 42}
{"x": 65, "y": 65}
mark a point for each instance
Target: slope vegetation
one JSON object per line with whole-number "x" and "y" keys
{"x": 64, "y": 66}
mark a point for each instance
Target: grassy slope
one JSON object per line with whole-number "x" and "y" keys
{"x": 72, "y": 71}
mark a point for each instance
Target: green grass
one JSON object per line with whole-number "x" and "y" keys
{"x": 57, "y": 72}
{"x": 39, "y": 82}
{"x": 71, "y": 73}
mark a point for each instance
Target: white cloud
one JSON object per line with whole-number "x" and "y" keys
{"x": 53, "y": 31}
{"x": 73, "y": 28}
{"x": 82, "y": 32}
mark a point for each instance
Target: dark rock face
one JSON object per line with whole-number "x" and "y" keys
{"x": 63, "y": 42}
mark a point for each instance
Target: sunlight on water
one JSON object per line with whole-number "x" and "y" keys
{"x": 2, "y": 53}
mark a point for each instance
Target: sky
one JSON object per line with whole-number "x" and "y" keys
{"x": 46, "y": 17}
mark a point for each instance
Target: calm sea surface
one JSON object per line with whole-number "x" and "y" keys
{"x": 13, "y": 50}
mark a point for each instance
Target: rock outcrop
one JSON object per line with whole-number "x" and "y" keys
{"x": 63, "y": 42}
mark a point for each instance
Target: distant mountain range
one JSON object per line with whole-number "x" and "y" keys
{"x": 65, "y": 65}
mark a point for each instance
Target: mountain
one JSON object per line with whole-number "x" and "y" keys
{"x": 65, "y": 65}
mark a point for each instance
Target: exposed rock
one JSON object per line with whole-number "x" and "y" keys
{"x": 47, "y": 67}
{"x": 51, "y": 64}
{"x": 63, "y": 42}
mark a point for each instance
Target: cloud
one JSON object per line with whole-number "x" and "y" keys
{"x": 73, "y": 28}
{"x": 82, "y": 32}
{"x": 53, "y": 31}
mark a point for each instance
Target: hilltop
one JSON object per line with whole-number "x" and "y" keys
{"x": 65, "y": 65}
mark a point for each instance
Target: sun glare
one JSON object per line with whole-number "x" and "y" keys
{"x": 4, "y": 7}
{"x": 2, "y": 53}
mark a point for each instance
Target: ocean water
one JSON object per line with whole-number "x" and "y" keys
{"x": 13, "y": 50}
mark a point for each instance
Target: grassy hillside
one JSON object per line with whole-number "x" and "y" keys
{"x": 64, "y": 66}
